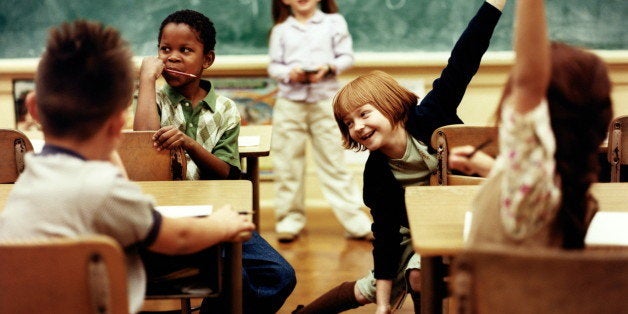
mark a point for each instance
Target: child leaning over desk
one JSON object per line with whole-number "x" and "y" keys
{"x": 555, "y": 111}
{"x": 187, "y": 112}
{"x": 84, "y": 82}
{"x": 375, "y": 112}
{"x": 308, "y": 48}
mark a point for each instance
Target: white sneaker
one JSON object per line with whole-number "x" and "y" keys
{"x": 286, "y": 237}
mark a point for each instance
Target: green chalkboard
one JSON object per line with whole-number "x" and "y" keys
{"x": 376, "y": 25}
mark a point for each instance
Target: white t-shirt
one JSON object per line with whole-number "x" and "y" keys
{"x": 62, "y": 195}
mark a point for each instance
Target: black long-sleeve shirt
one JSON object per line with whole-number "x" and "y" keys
{"x": 382, "y": 193}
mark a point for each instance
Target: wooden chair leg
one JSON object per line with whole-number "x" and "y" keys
{"x": 186, "y": 307}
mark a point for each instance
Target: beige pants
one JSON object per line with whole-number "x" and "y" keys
{"x": 293, "y": 123}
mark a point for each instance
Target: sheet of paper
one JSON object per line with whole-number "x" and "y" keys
{"x": 251, "y": 140}
{"x": 468, "y": 217}
{"x": 608, "y": 228}
{"x": 185, "y": 211}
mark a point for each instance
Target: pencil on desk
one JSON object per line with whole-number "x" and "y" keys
{"x": 477, "y": 148}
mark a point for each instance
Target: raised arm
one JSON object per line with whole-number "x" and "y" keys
{"x": 498, "y": 4}
{"x": 440, "y": 105}
{"x": 531, "y": 71}
{"x": 530, "y": 192}
{"x": 146, "y": 115}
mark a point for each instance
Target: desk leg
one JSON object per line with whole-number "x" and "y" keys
{"x": 432, "y": 284}
{"x": 233, "y": 269}
{"x": 252, "y": 173}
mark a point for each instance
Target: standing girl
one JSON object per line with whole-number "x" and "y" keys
{"x": 375, "y": 112}
{"x": 308, "y": 48}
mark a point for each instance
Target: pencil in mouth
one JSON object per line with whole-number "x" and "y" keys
{"x": 180, "y": 73}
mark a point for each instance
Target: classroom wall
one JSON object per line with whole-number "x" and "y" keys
{"x": 415, "y": 69}
{"x": 477, "y": 106}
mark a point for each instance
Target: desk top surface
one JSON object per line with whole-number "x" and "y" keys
{"x": 238, "y": 193}
{"x": 437, "y": 213}
{"x": 263, "y": 149}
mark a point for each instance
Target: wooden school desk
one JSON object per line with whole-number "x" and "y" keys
{"x": 238, "y": 193}
{"x": 251, "y": 153}
{"x": 436, "y": 215}
{"x": 4, "y": 193}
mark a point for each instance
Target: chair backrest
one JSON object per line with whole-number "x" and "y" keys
{"x": 144, "y": 163}
{"x": 13, "y": 146}
{"x": 454, "y": 135}
{"x": 63, "y": 275}
{"x": 541, "y": 281}
{"x": 617, "y": 146}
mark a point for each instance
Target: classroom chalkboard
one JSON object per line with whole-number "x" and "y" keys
{"x": 376, "y": 25}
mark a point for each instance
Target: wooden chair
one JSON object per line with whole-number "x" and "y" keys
{"x": 63, "y": 275}
{"x": 457, "y": 135}
{"x": 13, "y": 146}
{"x": 540, "y": 281}
{"x": 617, "y": 146}
{"x": 144, "y": 163}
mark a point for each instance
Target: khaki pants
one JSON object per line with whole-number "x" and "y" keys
{"x": 293, "y": 123}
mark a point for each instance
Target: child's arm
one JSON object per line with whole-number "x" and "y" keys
{"x": 146, "y": 115}
{"x": 342, "y": 48}
{"x": 440, "y": 105}
{"x": 530, "y": 192}
{"x": 278, "y": 69}
{"x": 189, "y": 235}
{"x": 531, "y": 70}
{"x": 210, "y": 165}
{"x": 382, "y": 295}
{"x": 117, "y": 161}
{"x": 499, "y": 4}
{"x": 479, "y": 163}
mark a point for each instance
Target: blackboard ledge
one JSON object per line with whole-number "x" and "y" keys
{"x": 237, "y": 65}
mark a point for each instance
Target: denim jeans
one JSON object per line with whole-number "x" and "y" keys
{"x": 267, "y": 279}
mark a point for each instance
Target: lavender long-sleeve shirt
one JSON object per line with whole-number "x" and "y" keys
{"x": 323, "y": 39}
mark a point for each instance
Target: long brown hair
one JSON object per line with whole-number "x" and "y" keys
{"x": 281, "y": 11}
{"x": 580, "y": 110}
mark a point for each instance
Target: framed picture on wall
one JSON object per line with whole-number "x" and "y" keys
{"x": 254, "y": 96}
{"x": 23, "y": 120}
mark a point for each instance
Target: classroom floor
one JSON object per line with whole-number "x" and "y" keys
{"x": 322, "y": 258}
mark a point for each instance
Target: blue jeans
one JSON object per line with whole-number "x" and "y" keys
{"x": 267, "y": 279}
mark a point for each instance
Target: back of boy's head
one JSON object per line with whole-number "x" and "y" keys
{"x": 85, "y": 75}
{"x": 378, "y": 89}
{"x": 199, "y": 23}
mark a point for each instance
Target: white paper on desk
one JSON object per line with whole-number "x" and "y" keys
{"x": 468, "y": 217}
{"x": 249, "y": 140}
{"x": 608, "y": 228}
{"x": 185, "y": 210}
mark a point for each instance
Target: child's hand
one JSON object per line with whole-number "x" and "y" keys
{"x": 151, "y": 68}
{"x": 323, "y": 71}
{"x": 237, "y": 227}
{"x": 383, "y": 309}
{"x": 480, "y": 163}
{"x": 297, "y": 75}
{"x": 170, "y": 137}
